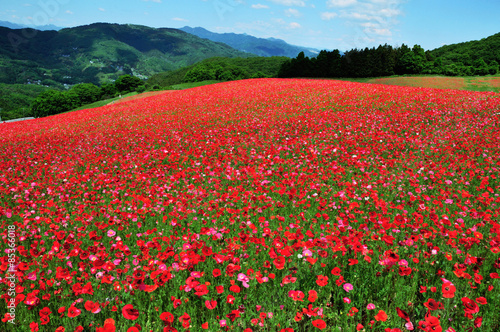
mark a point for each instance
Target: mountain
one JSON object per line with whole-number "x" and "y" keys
{"x": 251, "y": 44}
{"x": 11, "y": 25}
{"x": 468, "y": 52}
{"x": 99, "y": 53}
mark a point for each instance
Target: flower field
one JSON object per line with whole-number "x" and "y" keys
{"x": 256, "y": 205}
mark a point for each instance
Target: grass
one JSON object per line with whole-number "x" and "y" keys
{"x": 103, "y": 102}
{"x": 184, "y": 86}
{"x": 470, "y": 83}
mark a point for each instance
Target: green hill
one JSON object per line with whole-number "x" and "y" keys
{"x": 219, "y": 68}
{"x": 99, "y": 53}
{"x": 468, "y": 52}
{"x": 15, "y": 99}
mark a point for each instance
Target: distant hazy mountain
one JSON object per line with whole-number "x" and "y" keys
{"x": 11, "y": 25}
{"x": 100, "y": 52}
{"x": 251, "y": 44}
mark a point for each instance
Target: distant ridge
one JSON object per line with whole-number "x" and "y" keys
{"x": 251, "y": 44}
{"x": 11, "y": 25}
{"x": 100, "y": 52}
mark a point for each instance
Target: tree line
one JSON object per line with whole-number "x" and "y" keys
{"x": 383, "y": 60}
{"x": 52, "y": 102}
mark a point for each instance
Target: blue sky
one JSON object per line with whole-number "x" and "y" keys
{"x": 325, "y": 24}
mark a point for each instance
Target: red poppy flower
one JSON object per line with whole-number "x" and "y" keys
{"x": 279, "y": 262}
{"x": 233, "y": 315}
{"x": 478, "y": 322}
{"x": 167, "y": 317}
{"x": 319, "y": 323}
{"x": 470, "y": 306}
{"x": 33, "y": 326}
{"x": 322, "y": 281}
{"x": 201, "y": 290}
{"x": 235, "y": 288}
{"x": 45, "y": 312}
{"x": 432, "y": 304}
{"x": 481, "y": 300}
{"x": 313, "y": 295}
{"x": 403, "y": 314}
{"x": 44, "y": 320}
{"x": 211, "y": 304}
{"x": 176, "y": 303}
{"x": 92, "y": 306}
{"x": 448, "y": 290}
{"x": 381, "y": 316}
{"x": 185, "y": 320}
{"x": 73, "y": 312}
{"x": 133, "y": 329}
{"x": 129, "y": 312}
{"x": 216, "y": 273}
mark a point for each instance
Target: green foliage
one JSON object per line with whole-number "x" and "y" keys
{"x": 108, "y": 91}
{"x": 493, "y": 68}
{"x": 218, "y": 68}
{"x": 101, "y": 52}
{"x": 480, "y": 67}
{"x": 87, "y": 93}
{"x": 15, "y": 99}
{"x": 467, "y": 53}
{"x": 141, "y": 88}
{"x": 218, "y": 71}
{"x": 385, "y": 61}
{"x": 52, "y": 102}
{"x": 127, "y": 83}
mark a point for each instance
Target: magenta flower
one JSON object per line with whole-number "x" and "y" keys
{"x": 348, "y": 287}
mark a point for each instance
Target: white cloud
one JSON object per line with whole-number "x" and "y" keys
{"x": 326, "y": 16}
{"x": 102, "y": 9}
{"x": 259, "y": 6}
{"x": 378, "y": 31}
{"x": 157, "y": 1}
{"x": 294, "y": 25}
{"x": 373, "y": 21}
{"x": 179, "y": 19}
{"x": 69, "y": 12}
{"x": 340, "y": 3}
{"x": 358, "y": 16}
{"x": 292, "y": 12}
{"x": 389, "y": 12}
{"x": 289, "y": 3}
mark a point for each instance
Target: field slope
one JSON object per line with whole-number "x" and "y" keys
{"x": 256, "y": 205}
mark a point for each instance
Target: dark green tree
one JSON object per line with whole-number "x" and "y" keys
{"x": 107, "y": 91}
{"x": 87, "y": 93}
{"x": 480, "y": 67}
{"x": 493, "y": 67}
{"x": 127, "y": 83}
{"x": 51, "y": 102}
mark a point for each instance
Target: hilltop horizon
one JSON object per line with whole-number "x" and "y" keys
{"x": 331, "y": 24}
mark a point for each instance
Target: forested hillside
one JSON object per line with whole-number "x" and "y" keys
{"x": 221, "y": 69}
{"x": 99, "y": 53}
{"x": 465, "y": 59}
